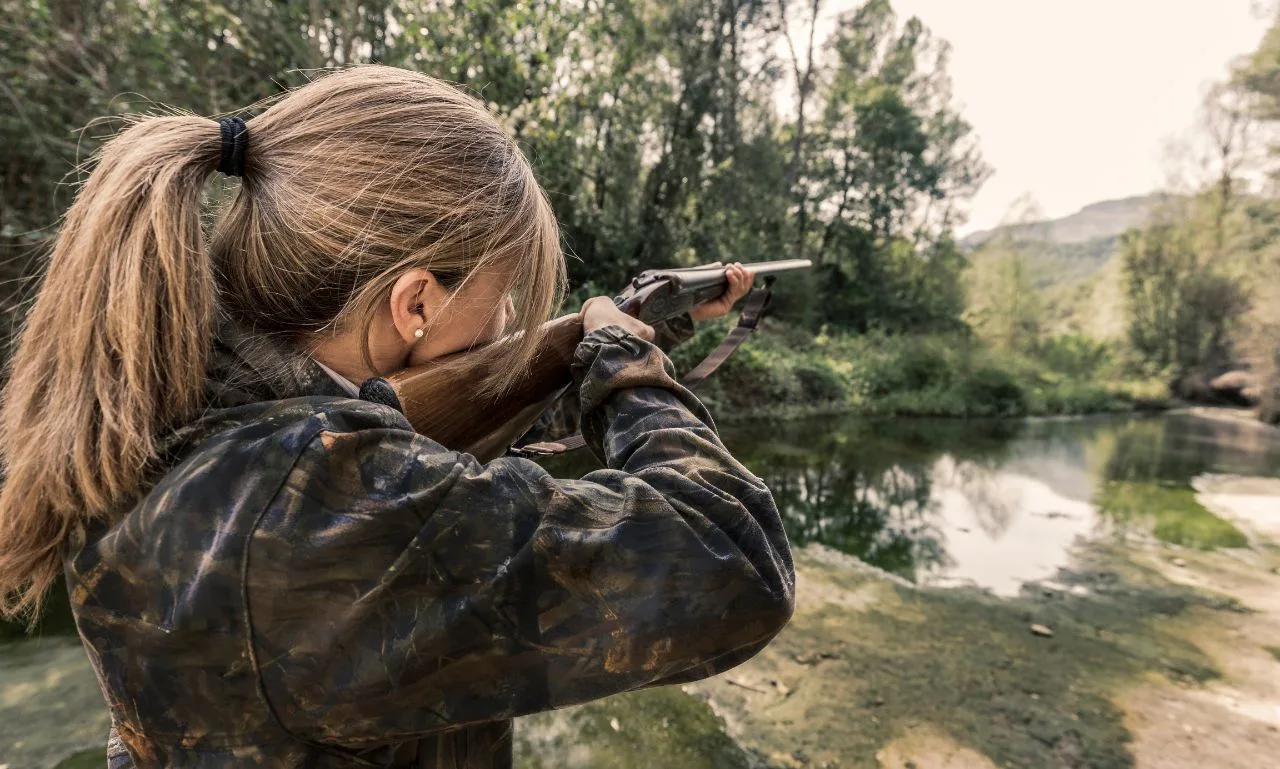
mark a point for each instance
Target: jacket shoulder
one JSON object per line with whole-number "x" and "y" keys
{"x": 221, "y": 473}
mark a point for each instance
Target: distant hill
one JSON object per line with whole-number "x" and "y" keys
{"x": 1071, "y": 261}
{"x": 1108, "y": 219}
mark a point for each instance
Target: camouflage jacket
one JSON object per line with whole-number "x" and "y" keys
{"x": 309, "y": 583}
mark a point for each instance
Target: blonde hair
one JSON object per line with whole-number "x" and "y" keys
{"x": 349, "y": 181}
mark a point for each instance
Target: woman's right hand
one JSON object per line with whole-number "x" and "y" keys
{"x": 600, "y": 311}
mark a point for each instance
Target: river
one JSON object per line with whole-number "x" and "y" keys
{"x": 981, "y": 529}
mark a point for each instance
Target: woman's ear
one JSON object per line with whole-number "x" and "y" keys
{"x": 416, "y": 298}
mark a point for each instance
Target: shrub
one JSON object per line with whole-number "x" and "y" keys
{"x": 992, "y": 391}
{"x": 1075, "y": 355}
{"x": 819, "y": 381}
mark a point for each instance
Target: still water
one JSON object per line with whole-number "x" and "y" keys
{"x": 990, "y": 504}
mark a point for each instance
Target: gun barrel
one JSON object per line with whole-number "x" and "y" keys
{"x": 703, "y": 275}
{"x": 780, "y": 265}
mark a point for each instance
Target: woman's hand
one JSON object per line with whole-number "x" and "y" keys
{"x": 600, "y": 311}
{"x": 740, "y": 280}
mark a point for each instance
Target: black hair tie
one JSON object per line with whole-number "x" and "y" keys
{"x": 235, "y": 140}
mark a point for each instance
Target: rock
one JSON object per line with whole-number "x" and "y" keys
{"x": 811, "y": 658}
{"x": 1054, "y": 515}
{"x": 1240, "y": 387}
{"x": 746, "y": 685}
{"x": 613, "y": 722}
{"x": 783, "y": 689}
{"x": 1041, "y": 630}
{"x": 1179, "y": 562}
{"x": 878, "y": 702}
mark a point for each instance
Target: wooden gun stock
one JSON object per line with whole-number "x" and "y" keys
{"x": 440, "y": 402}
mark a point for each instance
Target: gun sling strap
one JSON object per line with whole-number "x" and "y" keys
{"x": 757, "y": 305}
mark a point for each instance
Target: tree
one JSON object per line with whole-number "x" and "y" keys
{"x": 1182, "y": 311}
{"x": 1004, "y": 306}
{"x": 652, "y": 125}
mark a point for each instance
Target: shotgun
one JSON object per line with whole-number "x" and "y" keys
{"x": 435, "y": 397}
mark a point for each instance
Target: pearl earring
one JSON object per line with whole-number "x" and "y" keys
{"x": 418, "y": 333}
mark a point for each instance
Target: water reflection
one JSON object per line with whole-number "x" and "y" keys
{"x": 989, "y": 503}
{"x": 1179, "y": 447}
{"x": 945, "y": 502}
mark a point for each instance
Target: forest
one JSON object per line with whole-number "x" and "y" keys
{"x": 690, "y": 131}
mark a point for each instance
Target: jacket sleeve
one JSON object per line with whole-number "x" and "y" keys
{"x": 564, "y": 417}
{"x": 397, "y": 589}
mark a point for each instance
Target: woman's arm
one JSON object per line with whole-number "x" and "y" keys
{"x": 396, "y": 589}
{"x": 564, "y": 417}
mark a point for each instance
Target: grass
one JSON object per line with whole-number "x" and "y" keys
{"x": 1173, "y": 514}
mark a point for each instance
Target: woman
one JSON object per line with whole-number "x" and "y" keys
{"x": 269, "y": 572}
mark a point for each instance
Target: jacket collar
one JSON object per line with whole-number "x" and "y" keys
{"x": 248, "y": 368}
{"x": 243, "y": 369}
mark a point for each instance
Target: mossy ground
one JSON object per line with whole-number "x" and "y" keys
{"x": 866, "y": 660}
{"x": 1172, "y": 513}
{"x": 50, "y": 705}
{"x": 661, "y": 727}
{"x": 869, "y": 661}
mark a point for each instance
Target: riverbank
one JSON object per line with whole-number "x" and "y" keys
{"x": 1143, "y": 655}
{"x": 786, "y": 373}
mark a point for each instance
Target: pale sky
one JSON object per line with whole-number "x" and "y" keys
{"x": 1074, "y": 101}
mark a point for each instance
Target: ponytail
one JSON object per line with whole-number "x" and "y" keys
{"x": 353, "y": 179}
{"x": 111, "y": 353}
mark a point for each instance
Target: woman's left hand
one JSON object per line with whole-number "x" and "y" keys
{"x": 740, "y": 280}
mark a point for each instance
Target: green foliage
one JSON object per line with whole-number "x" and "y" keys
{"x": 819, "y": 381}
{"x": 1172, "y": 512}
{"x": 1182, "y": 309}
{"x": 1005, "y": 309}
{"x": 1075, "y": 353}
{"x": 887, "y": 147}
{"x": 782, "y": 370}
{"x": 653, "y": 127}
{"x": 664, "y": 146}
{"x": 889, "y": 287}
{"x": 993, "y": 391}
{"x": 923, "y": 363}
